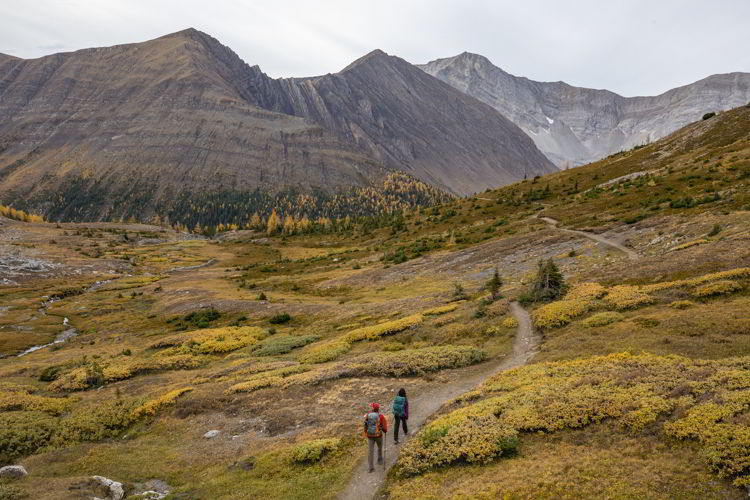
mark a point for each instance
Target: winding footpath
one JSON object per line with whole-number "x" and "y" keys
{"x": 365, "y": 484}
{"x": 632, "y": 254}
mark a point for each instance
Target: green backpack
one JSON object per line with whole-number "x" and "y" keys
{"x": 398, "y": 406}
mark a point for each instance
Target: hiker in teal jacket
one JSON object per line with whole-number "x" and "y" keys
{"x": 400, "y": 408}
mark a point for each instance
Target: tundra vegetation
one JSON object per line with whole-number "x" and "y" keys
{"x": 279, "y": 339}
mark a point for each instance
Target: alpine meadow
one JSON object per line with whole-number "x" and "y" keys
{"x": 218, "y": 284}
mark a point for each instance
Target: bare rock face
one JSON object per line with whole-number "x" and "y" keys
{"x": 137, "y": 123}
{"x": 411, "y": 121}
{"x": 574, "y": 125}
{"x": 103, "y": 132}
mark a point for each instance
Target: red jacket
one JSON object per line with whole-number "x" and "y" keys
{"x": 383, "y": 423}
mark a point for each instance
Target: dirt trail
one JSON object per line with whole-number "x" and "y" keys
{"x": 192, "y": 268}
{"x": 632, "y": 254}
{"x": 366, "y": 484}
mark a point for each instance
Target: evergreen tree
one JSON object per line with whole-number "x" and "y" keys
{"x": 494, "y": 285}
{"x": 458, "y": 292}
{"x": 549, "y": 283}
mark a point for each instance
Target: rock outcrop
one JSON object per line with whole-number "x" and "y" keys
{"x": 575, "y": 125}
{"x": 114, "y": 488}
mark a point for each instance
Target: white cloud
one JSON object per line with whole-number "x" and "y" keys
{"x": 634, "y": 47}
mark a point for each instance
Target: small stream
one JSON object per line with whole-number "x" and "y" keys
{"x": 66, "y": 334}
{"x": 70, "y": 332}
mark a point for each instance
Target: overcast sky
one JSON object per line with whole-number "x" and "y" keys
{"x": 633, "y": 47}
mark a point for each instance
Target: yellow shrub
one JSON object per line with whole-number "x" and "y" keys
{"x": 627, "y": 297}
{"x": 602, "y": 319}
{"x": 444, "y": 320}
{"x": 151, "y": 407}
{"x": 510, "y": 322}
{"x": 328, "y": 351}
{"x": 74, "y": 380}
{"x": 634, "y": 390}
{"x": 722, "y": 287}
{"x": 558, "y": 313}
{"x": 491, "y": 331}
{"x": 271, "y": 378}
{"x": 313, "y": 451}
{"x": 681, "y": 304}
{"x": 84, "y": 377}
{"x": 690, "y": 244}
{"x": 435, "y": 311}
{"x": 739, "y": 273}
{"x": 585, "y": 291}
{"x": 22, "y": 401}
{"x": 405, "y": 362}
{"x": 127, "y": 369}
{"x": 211, "y": 340}
{"x": 387, "y": 328}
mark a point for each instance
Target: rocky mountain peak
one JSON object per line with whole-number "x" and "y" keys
{"x": 373, "y": 58}
{"x": 576, "y": 125}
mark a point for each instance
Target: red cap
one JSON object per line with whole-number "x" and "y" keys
{"x": 375, "y": 406}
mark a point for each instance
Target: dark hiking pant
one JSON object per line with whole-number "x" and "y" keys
{"x": 371, "y": 448}
{"x": 398, "y": 420}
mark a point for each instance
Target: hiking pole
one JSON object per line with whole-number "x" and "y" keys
{"x": 385, "y": 440}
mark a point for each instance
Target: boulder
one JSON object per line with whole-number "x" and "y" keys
{"x": 116, "y": 492}
{"x": 13, "y": 472}
{"x": 211, "y": 434}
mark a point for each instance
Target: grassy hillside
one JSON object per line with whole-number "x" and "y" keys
{"x": 280, "y": 342}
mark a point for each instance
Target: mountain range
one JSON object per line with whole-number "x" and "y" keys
{"x": 104, "y": 132}
{"x": 180, "y": 126}
{"x": 576, "y": 125}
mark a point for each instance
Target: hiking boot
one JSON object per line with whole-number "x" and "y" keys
{"x": 396, "y": 441}
{"x": 372, "y": 469}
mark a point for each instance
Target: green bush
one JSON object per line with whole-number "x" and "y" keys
{"x": 602, "y": 319}
{"x": 282, "y": 344}
{"x": 203, "y": 318}
{"x": 709, "y": 115}
{"x": 415, "y": 361}
{"x": 458, "y": 292}
{"x": 50, "y": 373}
{"x": 23, "y": 432}
{"x": 279, "y": 319}
{"x": 12, "y": 492}
{"x": 508, "y": 445}
{"x": 312, "y": 451}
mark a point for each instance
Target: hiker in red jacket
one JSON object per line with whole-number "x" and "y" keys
{"x": 375, "y": 426}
